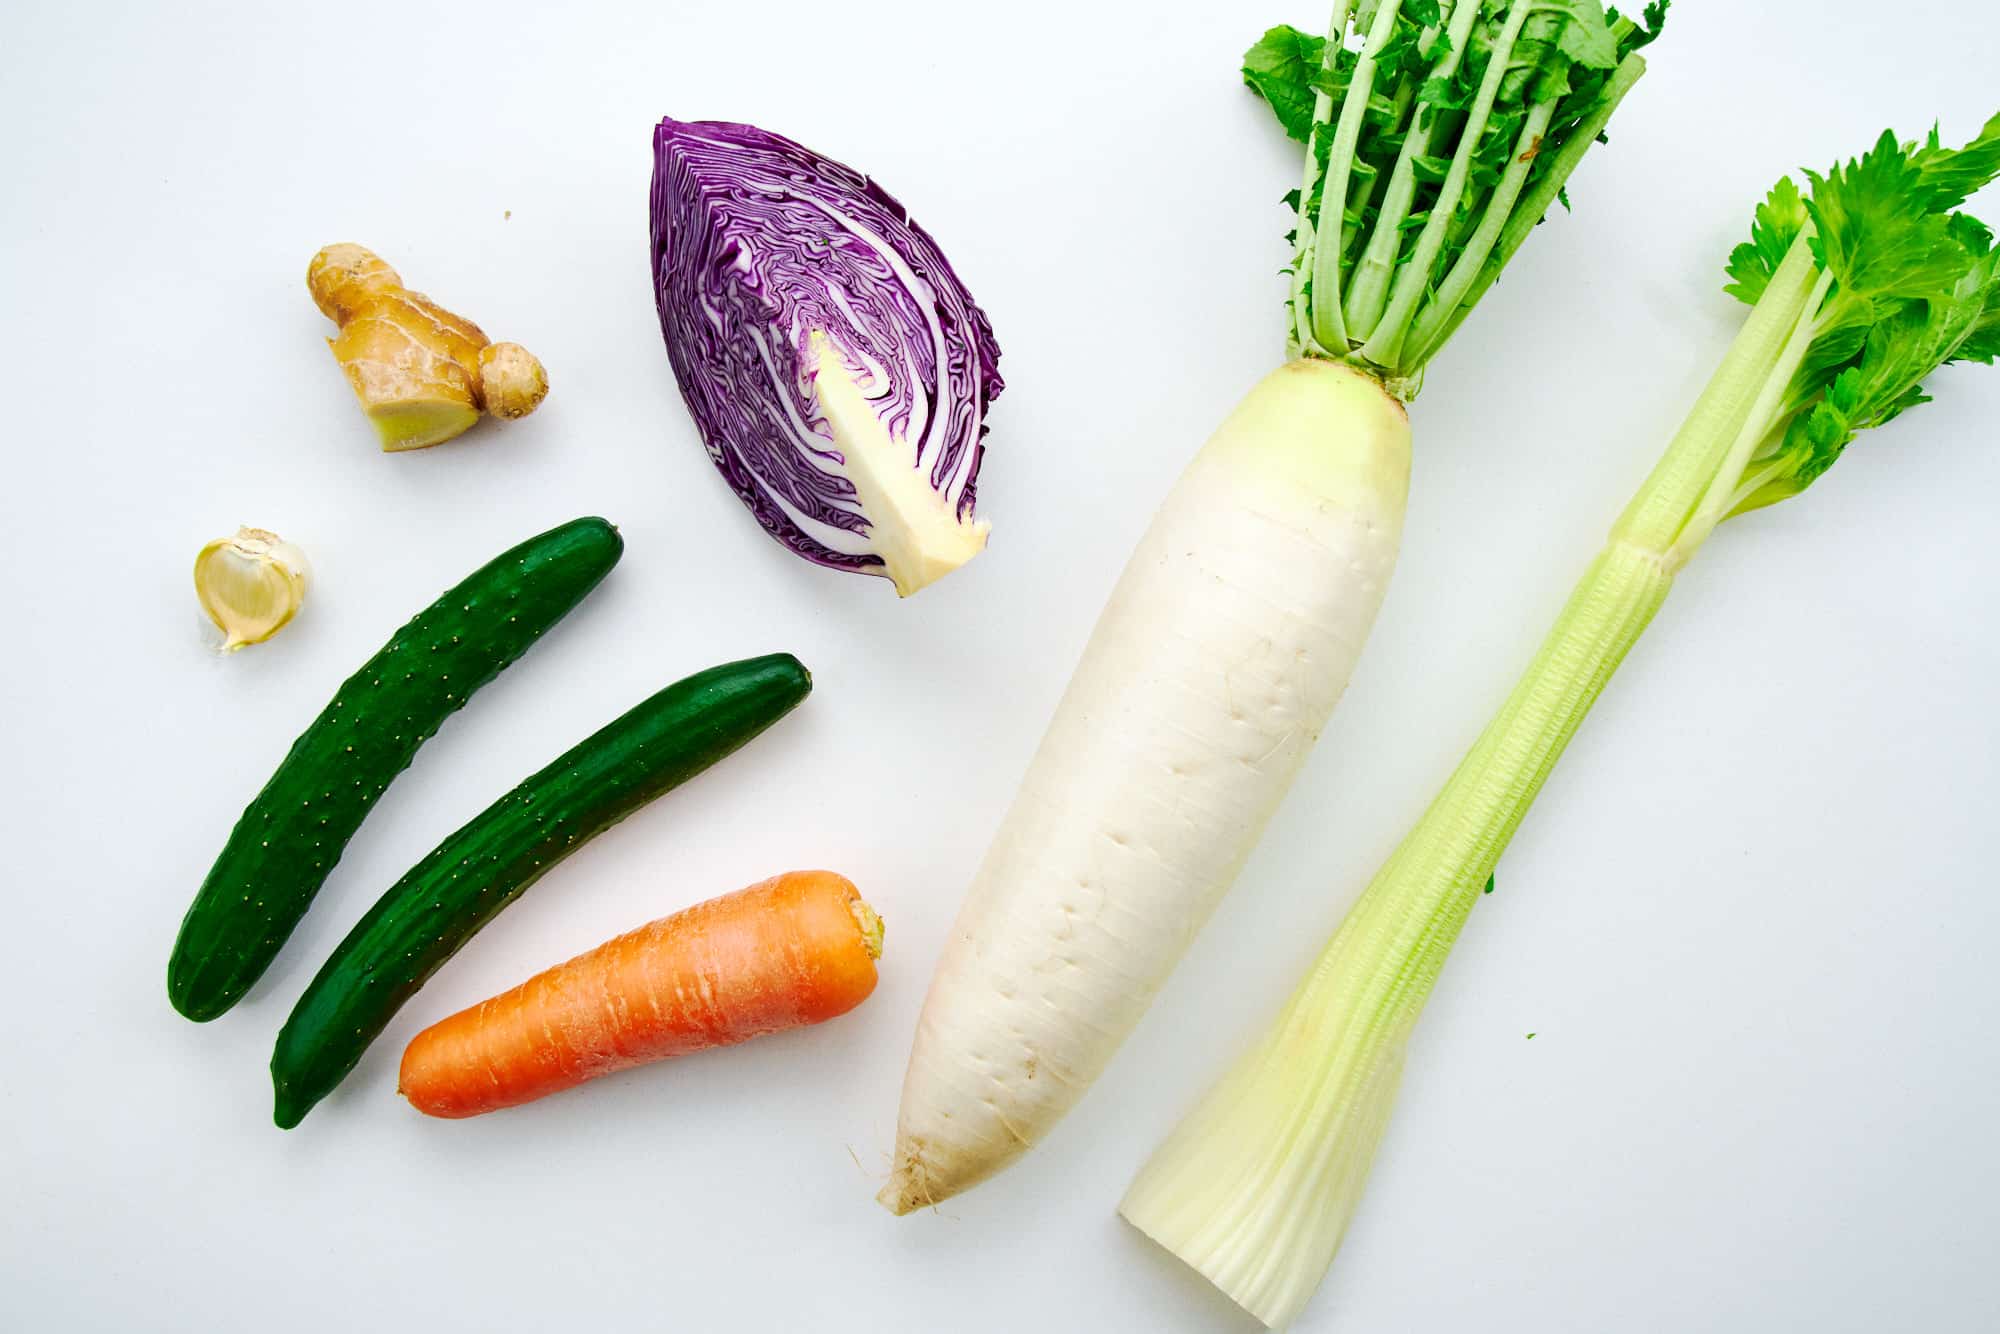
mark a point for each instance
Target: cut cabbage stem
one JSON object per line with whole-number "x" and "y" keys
{"x": 920, "y": 533}
{"x": 1234, "y": 628}
{"x": 1255, "y": 1188}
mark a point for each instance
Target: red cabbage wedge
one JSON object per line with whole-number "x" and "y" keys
{"x": 1438, "y": 135}
{"x": 1860, "y": 287}
{"x": 838, "y": 371}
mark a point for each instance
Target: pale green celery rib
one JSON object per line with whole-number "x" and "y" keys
{"x": 1256, "y": 1188}
{"x": 1661, "y": 510}
{"x": 1327, "y": 326}
{"x": 1719, "y": 499}
{"x": 1759, "y": 489}
{"x": 1439, "y": 322}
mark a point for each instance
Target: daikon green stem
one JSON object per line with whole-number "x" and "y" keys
{"x": 1369, "y": 290}
{"x": 1436, "y": 134}
{"x": 1414, "y": 279}
{"x": 1434, "y": 328}
{"x": 1302, "y": 262}
{"x": 1328, "y": 327}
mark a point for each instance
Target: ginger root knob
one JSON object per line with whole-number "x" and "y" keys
{"x": 511, "y": 382}
{"x": 422, "y": 374}
{"x": 344, "y": 278}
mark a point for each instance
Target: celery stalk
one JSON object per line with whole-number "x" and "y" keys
{"x": 1271, "y": 1165}
{"x": 1860, "y": 290}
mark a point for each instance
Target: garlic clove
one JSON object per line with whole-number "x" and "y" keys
{"x": 251, "y": 585}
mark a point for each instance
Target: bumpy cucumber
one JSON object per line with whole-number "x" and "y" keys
{"x": 287, "y": 841}
{"x": 467, "y": 879}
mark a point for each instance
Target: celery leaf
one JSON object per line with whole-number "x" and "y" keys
{"x": 1955, "y": 174}
{"x": 1910, "y": 286}
{"x": 1780, "y": 219}
{"x": 1879, "y": 230}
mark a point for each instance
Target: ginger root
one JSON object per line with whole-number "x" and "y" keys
{"x": 423, "y": 374}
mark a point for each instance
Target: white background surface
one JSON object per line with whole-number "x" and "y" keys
{"x": 1750, "y": 921}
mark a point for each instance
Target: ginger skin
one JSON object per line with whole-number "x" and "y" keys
{"x": 423, "y": 374}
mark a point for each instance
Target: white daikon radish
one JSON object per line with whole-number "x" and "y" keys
{"x": 1447, "y": 130}
{"x": 1211, "y": 672}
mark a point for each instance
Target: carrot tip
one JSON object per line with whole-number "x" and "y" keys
{"x": 870, "y": 923}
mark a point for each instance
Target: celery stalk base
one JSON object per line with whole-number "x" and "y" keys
{"x": 1255, "y": 1189}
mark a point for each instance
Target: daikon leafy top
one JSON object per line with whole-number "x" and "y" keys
{"x": 1447, "y": 129}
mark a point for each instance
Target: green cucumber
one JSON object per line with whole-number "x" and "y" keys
{"x": 466, "y": 880}
{"x": 287, "y": 841}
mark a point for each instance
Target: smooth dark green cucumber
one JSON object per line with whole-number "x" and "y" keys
{"x": 467, "y": 879}
{"x": 287, "y": 841}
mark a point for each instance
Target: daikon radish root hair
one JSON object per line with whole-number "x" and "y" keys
{"x": 794, "y": 950}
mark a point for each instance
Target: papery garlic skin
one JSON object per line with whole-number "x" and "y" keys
{"x": 251, "y": 585}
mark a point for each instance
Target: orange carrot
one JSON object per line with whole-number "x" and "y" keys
{"x": 797, "y": 949}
